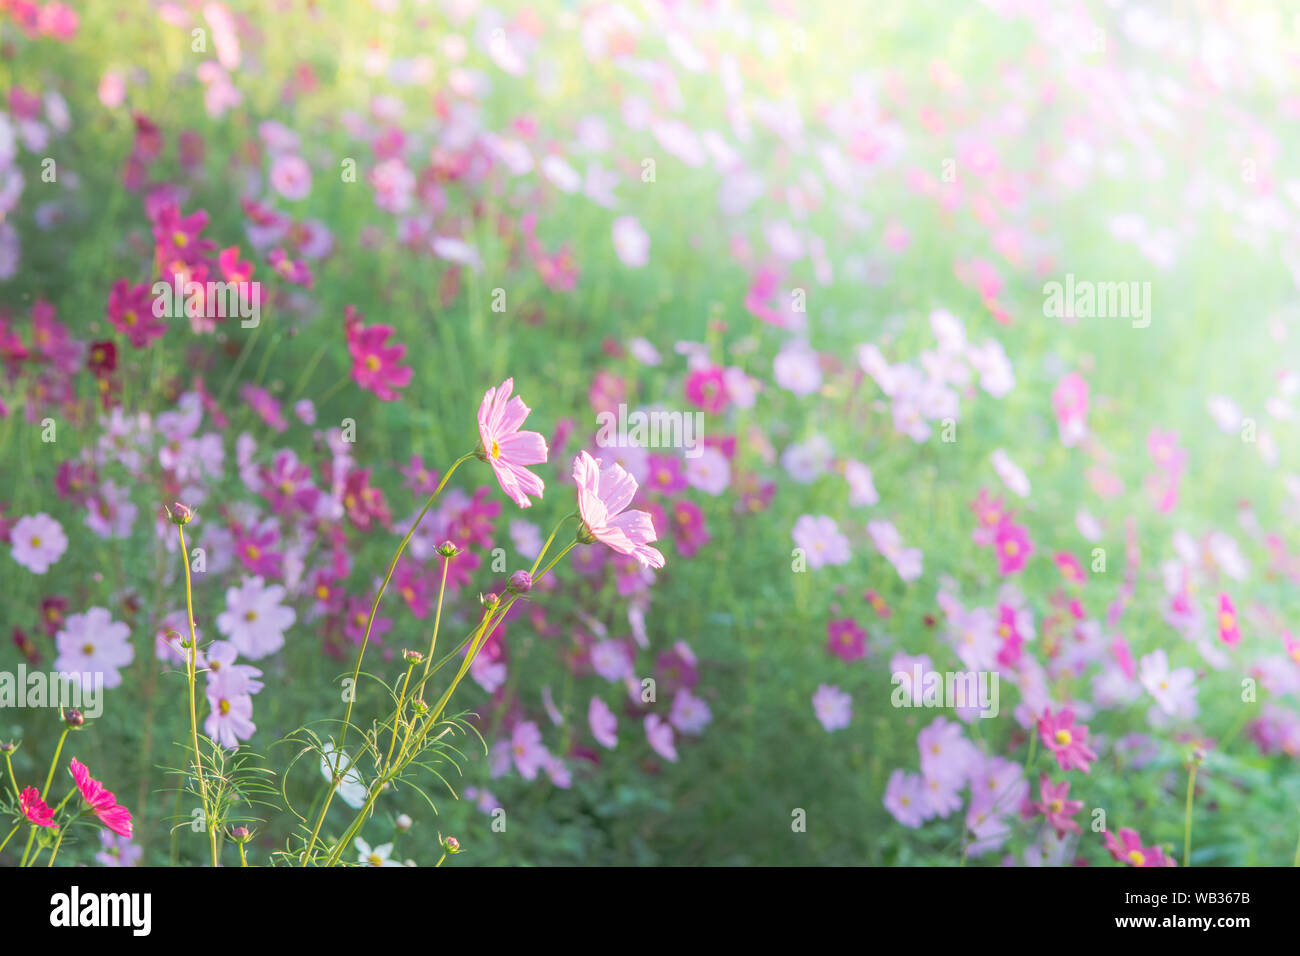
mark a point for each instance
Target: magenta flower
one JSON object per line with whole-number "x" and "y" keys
{"x": 1129, "y": 849}
{"x": 1066, "y": 739}
{"x": 35, "y": 810}
{"x": 130, "y": 311}
{"x": 507, "y": 449}
{"x": 603, "y": 496}
{"x": 1229, "y": 630}
{"x": 374, "y": 364}
{"x": 846, "y": 640}
{"x": 105, "y": 806}
{"x": 1012, "y": 543}
{"x": 1056, "y": 807}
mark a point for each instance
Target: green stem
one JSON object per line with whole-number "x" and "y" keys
{"x": 19, "y": 826}
{"x": 1187, "y": 821}
{"x": 361, "y": 653}
{"x": 191, "y": 674}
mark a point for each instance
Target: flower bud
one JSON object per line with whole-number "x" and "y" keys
{"x": 412, "y": 657}
{"x": 74, "y": 718}
{"x": 451, "y": 845}
{"x": 489, "y": 601}
{"x": 179, "y": 513}
{"x": 448, "y": 550}
{"x": 521, "y": 582}
{"x": 7, "y": 746}
{"x": 403, "y": 823}
{"x": 241, "y": 834}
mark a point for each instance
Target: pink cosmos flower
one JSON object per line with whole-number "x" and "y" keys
{"x": 130, "y": 311}
{"x": 603, "y": 497}
{"x": 1229, "y": 631}
{"x": 659, "y": 734}
{"x": 105, "y": 806}
{"x": 604, "y": 725}
{"x": 1056, "y": 807}
{"x": 846, "y": 640}
{"x": 1129, "y": 849}
{"x": 38, "y": 542}
{"x": 1066, "y": 739}
{"x": 507, "y": 449}
{"x": 631, "y": 242}
{"x": 1013, "y": 546}
{"x": 374, "y": 364}
{"x": 706, "y": 388}
{"x": 1069, "y": 566}
{"x": 35, "y": 810}
{"x": 291, "y": 177}
{"x": 527, "y": 749}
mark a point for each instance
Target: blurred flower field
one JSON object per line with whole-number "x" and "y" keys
{"x": 709, "y": 394}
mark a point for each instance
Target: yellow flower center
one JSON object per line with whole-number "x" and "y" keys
{"x": 1136, "y": 857}
{"x": 496, "y": 450}
{"x": 87, "y": 649}
{"x": 180, "y": 240}
{"x": 1011, "y": 549}
{"x": 36, "y": 541}
{"x": 250, "y": 615}
{"x": 129, "y": 317}
{"x": 372, "y": 363}
{"x": 1064, "y": 738}
{"x": 1056, "y": 806}
{"x": 1226, "y": 621}
{"x": 224, "y": 707}
{"x": 253, "y": 551}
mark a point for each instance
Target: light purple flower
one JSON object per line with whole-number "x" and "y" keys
{"x": 833, "y": 707}
{"x": 797, "y": 370}
{"x": 820, "y": 540}
{"x": 690, "y": 715}
{"x": 631, "y": 242}
{"x": 254, "y": 618}
{"x": 291, "y": 176}
{"x": 904, "y": 799}
{"x": 93, "y": 643}
{"x": 38, "y": 541}
{"x": 709, "y": 471}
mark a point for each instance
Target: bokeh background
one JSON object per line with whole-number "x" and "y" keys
{"x": 827, "y": 226}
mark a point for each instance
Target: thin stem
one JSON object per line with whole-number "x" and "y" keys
{"x": 19, "y": 826}
{"x": 437, "y": 615}
{"x": 1187, "y": 821}
{"x": 191, "y": 673}
{"x": 361, "y": 653}
{"x": 49, "y": 777}
{"x": 57, "y": 843}
{"x": 243, "y": 860}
